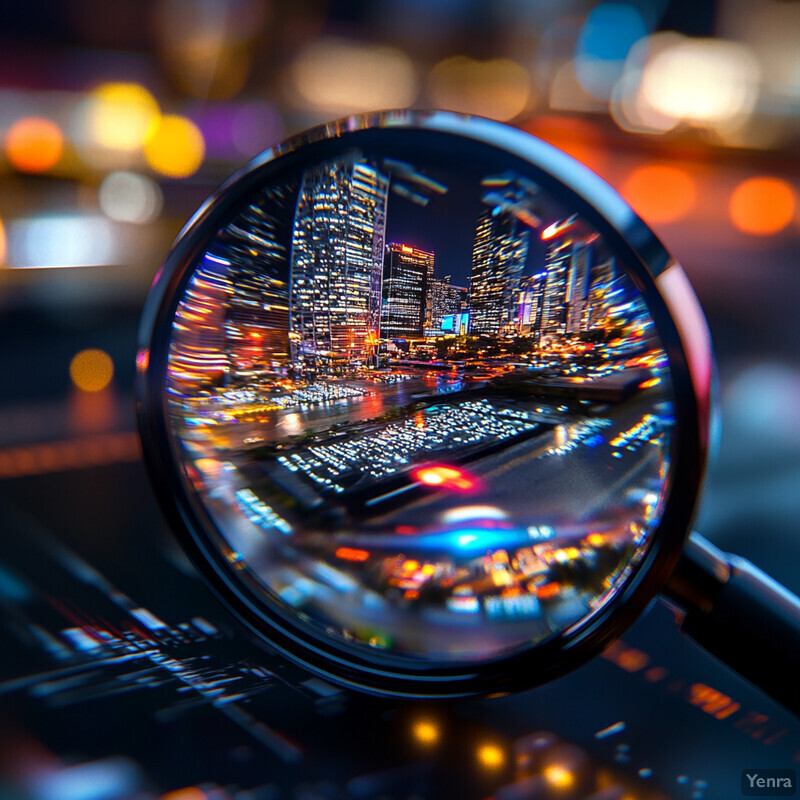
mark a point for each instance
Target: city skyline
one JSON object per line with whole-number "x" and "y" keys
{"x": 315, "y": 279}
{"x": 333, "y": 413}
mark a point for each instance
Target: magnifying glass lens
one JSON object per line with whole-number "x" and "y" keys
{"x": 421, "y": 401}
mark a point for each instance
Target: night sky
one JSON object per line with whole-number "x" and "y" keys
{"x": 447, "y": 226}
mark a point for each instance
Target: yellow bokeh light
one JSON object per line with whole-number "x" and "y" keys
{"x": 119, "y": 116}
{"x": 660, "y": 193}
{"x": 34, "y": 144}
{"x": 762, "y": 206}
{"x": 498, "y": 89}
{"x": 340, "y": 76}
{"x": 491, "y": 756}
{"x": 3, "y": 246}
{"x": 91, "y": 370}
{"x": 558, "y": 777}
{"x": 175, "y": 147}
{"x": 426, "y": 731}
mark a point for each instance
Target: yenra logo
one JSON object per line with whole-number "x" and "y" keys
{"x": 768, "y": 782}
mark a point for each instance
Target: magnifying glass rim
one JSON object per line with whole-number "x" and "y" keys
{"x": 353, "y": 665}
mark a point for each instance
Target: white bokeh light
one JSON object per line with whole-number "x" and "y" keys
{"x": 129, "y": 197}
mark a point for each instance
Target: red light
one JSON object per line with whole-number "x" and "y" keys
{"x": 405, "y": 529}
{"x": 352, "y": 554}
{"x": 446, "y": 477}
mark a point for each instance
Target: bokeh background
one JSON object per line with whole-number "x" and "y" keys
{"x": 117, "y": 119}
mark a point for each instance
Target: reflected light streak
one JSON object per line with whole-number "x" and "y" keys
{"x": 91, "y": 451}
{"x": 465, "y": 513}
{"x": 551, "y": 231}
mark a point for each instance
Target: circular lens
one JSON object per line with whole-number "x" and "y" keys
{"x": 420, "y": 396}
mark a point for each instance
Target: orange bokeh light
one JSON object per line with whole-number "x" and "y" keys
{"x": 426, "y": 731}
{"x": 491, "y": 756}
{"x": 91, "y": 370}
{"x": 762, "y": 206}
{"x": 34, "y": 144}
{"x": 660, "y": 193}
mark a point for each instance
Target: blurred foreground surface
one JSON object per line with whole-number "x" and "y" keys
{"x": 121, "y": 675}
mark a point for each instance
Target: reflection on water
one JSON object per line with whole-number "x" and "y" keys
{"x": 441, "y": 465}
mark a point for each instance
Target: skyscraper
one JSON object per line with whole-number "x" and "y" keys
{"x": 406, "y": 291}
{"x": 578, "y": 287}
{"x": 337, "y": 263}
{"x": 444, "y": 300}
{"x": 499, "y": 254}
{"x": 602, "y": 278}
{"x": 531, "y": 302}
{"x": 554, "y": 310}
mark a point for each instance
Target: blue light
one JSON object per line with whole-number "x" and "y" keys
{"x": 610, "y": 30}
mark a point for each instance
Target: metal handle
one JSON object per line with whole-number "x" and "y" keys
{"x": 741, "y": 616}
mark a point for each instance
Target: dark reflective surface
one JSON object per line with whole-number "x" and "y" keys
{"x": 425, "y": 405}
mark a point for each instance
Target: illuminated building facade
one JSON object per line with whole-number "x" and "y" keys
{"x": 337, "y": 264}
{"x": 602, "y": 278}
{"x": 531, "y": 302}
{"x": 406, "y": 291}
{"x": 444, "y": 300}
{"x": 554, "y": 309}
{"x": 198, "y": 354}
{"x": 498, "y": 262}
{"x": 577, "y": 288}
{"x": 257, "y": 314}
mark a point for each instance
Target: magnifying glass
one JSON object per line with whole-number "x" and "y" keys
{"x": 428, "y": 406}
